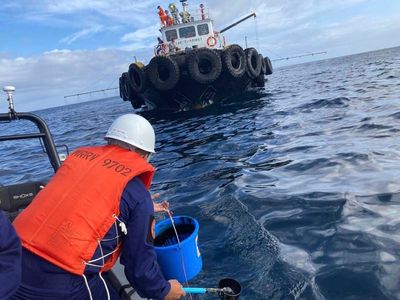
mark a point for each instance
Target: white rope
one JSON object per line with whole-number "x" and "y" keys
{"x": 180, "y": 251}
{"x": 101, "y": 251}
{"x": 93, "y": 265}
{"x": 253, "y": 8}
{"x": 105, "y": 285}
{"x": 100, "y": 258}
{"x": 109, "y": 240}
{"x": 117, "y": 235}
{"x": 87, "y": 286}
{"x": 256, "y": 30}
{"x": 103, "y": 256}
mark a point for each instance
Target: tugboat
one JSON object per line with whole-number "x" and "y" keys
{"x": 193, "y": 66}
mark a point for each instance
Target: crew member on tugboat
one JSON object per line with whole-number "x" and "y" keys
{"x": 95, "y": 209}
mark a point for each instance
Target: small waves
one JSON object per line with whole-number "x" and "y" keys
{"x": 325, "y": 103}
{"x": 296, "y": 187}
{"x": 395, "y": 115}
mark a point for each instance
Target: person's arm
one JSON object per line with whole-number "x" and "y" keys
{"x": 10, "y": 259}
{"x": 138, "y": 255}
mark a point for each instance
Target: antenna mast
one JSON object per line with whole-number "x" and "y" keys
{"x": 9, "y": 91}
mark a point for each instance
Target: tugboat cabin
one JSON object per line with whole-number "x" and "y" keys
{"x": 196, "y": 34}
{"x": 183, "y": 30}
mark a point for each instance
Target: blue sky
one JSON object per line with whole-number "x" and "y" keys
{"x": 52, "y": 48}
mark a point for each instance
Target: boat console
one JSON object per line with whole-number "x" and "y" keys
{"x": 14, "y": 198}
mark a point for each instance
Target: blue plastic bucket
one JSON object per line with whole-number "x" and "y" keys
{"x": 170, "y": 257}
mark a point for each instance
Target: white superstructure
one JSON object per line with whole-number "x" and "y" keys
{"x": 188, "y": 31}
{"x": 194, "y": 34}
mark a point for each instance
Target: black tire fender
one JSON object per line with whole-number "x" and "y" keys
{"x": 204, "y": 65}
{"x": 180, "y": 60}
{"x": 137, "y": 78}
{"x": 263, "y": 65}
{"x": 268, "y": 64}
{"x": 234, "y": 60}
{"x": 260, "y": 80}
{"x": 253, "y": 62}
{"x": 123, "y": 88}
{"x": 127, "y": 92}
{"x": 163, "y": 73}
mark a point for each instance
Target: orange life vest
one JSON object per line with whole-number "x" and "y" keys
{"x": 68, "y": 218}
{"x": 162, "y": 15}
{"x": 170, "y": 21}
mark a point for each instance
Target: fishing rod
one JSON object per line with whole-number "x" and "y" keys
{"x": 90, "y": 92}
{"x": 300, "y": 56}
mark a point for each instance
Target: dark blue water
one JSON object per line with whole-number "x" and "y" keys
{"x": 296, "y": 187}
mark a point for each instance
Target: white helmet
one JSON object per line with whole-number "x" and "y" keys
{"x": 133, "y": 130}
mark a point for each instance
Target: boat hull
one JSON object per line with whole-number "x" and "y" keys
{"x": 194, "y": 79}
{"x": 189, "y": 94}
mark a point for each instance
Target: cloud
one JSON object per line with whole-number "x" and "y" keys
{"x": 47, "y": 11}
{"x": 276, "y": 13}
{"x": 82, "y": 34}
{"x": 144, "y": 38}
{"x": 142, "y": 34}
{"x": 356, "y": 34}
{"x": 43, "y": 81}
{"x": 285, "y": 28}
{"x": 137, "y": 22}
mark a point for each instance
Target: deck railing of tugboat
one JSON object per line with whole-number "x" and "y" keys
{"x": 197, "y": 16}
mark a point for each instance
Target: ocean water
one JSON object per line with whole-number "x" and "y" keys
{"x": 296, "y": 186}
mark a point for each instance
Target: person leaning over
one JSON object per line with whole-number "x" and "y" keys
{"x": 95, "y": 209}
{"x": 10, "y": 259}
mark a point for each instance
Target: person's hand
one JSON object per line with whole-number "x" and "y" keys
{"x": 159, "y": 207}
{"x": 176, "y": 291}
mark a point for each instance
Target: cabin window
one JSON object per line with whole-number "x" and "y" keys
{"x": 202, "y": 29}
{"x": 171, "y": 35}
{"x": 187, "y": 32}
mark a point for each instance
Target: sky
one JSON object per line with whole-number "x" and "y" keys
{"x": 53, "y": 48}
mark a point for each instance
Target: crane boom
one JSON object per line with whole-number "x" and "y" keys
{"x": 238, "y": 22}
